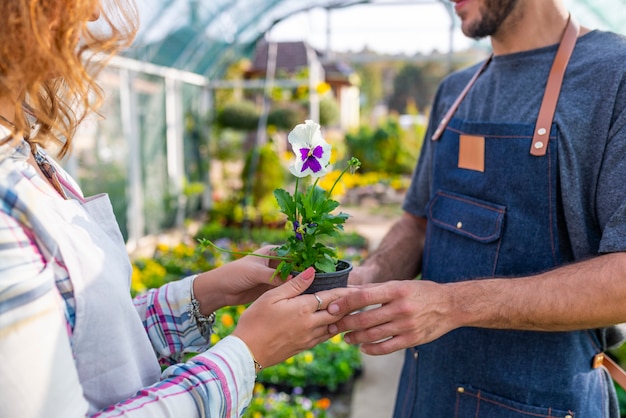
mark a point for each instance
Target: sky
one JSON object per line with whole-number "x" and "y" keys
{"x": 394, "y": 29}
{"x": 410, "y": 28}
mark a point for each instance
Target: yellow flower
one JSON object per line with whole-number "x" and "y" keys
{"x": 162, "y": 247}
{"x": 309, "y": 414}
{"x": 289, "y": 360}
{"x": 240, "y": 309}
{"x": 336, "y": 339}
{"x": 182, "y": 250}
{"x": 328, "y": 180}
{"x": 135, "y": 280}
{"x": 214, "y": 339}
{"x": 153, "y": 273}
{"x": 258, "y": 387}
{"x": 308, "y": 357}
{"x": 322, "y": 88}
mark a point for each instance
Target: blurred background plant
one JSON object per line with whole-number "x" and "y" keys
{"x": 268, "y": 401}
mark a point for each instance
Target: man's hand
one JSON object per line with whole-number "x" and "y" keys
{"x": 401, "y": 314}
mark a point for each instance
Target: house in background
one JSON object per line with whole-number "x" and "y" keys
{"x": 297, "y": 58}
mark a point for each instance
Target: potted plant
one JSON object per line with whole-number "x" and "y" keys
{"x": 310, "y": 213}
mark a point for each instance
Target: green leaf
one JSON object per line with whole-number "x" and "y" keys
{"x": 286, "y": 203}
{"x": 285, "y": 270}
{"x": 325, "y": 265}
{"x": 329, "y": 205}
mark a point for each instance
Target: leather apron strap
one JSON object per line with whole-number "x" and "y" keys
{"x": 617, "y": 373}
{"x": 550, "y": 97}
{"x": 553, "y": 88}
{"x": 448, "y": 116}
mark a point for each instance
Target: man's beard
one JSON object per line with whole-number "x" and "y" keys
{"x": 493, "y": 13}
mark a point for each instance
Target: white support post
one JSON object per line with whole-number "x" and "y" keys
{"x": 130, "y": 126}
{"x": 206, "y": 104}
{"x": 316, "y": 75}
{"x": 175, "y": 148}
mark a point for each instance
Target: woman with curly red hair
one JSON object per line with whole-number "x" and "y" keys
{"x": 73, "y": 341}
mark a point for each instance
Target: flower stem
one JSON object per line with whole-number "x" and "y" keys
{"x": 295, "y": 201}
{"x": 330, "y": 192}
{"x": 206, "y": 243}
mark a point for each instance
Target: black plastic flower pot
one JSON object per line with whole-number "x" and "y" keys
{"x": 325, "y": 281}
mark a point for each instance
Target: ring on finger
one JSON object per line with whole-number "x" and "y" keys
{"x": 319, "y": 302}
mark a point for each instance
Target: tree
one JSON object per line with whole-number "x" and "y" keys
{"x": 416, "y": 85}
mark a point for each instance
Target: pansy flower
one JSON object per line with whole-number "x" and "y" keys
{"x": 298, "y": 230}
{"x": 312, "y": 152}
{"x": 309, "y": 208}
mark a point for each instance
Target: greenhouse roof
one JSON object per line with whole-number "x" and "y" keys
{"x": 205, "y": 36}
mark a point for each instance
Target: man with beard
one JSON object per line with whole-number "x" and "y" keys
{"x": 516, "y": 222}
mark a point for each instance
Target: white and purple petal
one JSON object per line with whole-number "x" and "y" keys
{"x": 311, "y": 150}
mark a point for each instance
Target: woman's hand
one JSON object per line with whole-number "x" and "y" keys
{"x": 236, "y": 283}
{"x": 282, "y": 322}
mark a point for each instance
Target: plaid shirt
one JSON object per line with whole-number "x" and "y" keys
{"x": 35, "y": 288}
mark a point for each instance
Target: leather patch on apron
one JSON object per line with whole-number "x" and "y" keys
{"x": 472, "y": 152}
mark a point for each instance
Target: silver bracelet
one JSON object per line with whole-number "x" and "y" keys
{"x": 204, "y": 322}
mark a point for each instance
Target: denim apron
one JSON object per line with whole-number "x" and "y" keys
{"x": 499, "y": 222}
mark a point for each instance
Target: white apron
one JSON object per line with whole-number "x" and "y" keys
{"x": 113, "y": 354}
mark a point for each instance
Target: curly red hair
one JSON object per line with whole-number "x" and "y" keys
{"x": 50, "y": 55}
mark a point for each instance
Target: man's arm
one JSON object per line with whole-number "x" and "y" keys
{"x": 399, "y": 255}
{"x": 588, "y": 294}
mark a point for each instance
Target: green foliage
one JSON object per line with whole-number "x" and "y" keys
{"x": 372, "y": 86}
{"x": 268, "y": 402}
{"x": 326, "y": 366}
{"x": 415, "y": 85}
{"x": 214, "y": 231}
{"x": 329, "y": 111}
{"x": 268, "y": 173}
{"x": 232, "y": 212}
{"x": 243, "y": 116}
{"x": 234, "y": 71}
{"x": 226, "y": 145}
{"x": 285, "y": 117}
{"x": 619, "y": 353}
{"x": 222, "y": 214}
{"x": 381, "y": 149}
{"x": 310, "y": 214}
{"x": 309, "y": 211}
{"x": 168, "y": 264}
{"x": 621, "y": 397}
{"x": 323, "y": 368}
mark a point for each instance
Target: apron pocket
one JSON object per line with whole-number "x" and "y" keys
{"x": 472, "y": 218}
{"x": 461, "y": 222}
{"x": 474, "y": 403}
